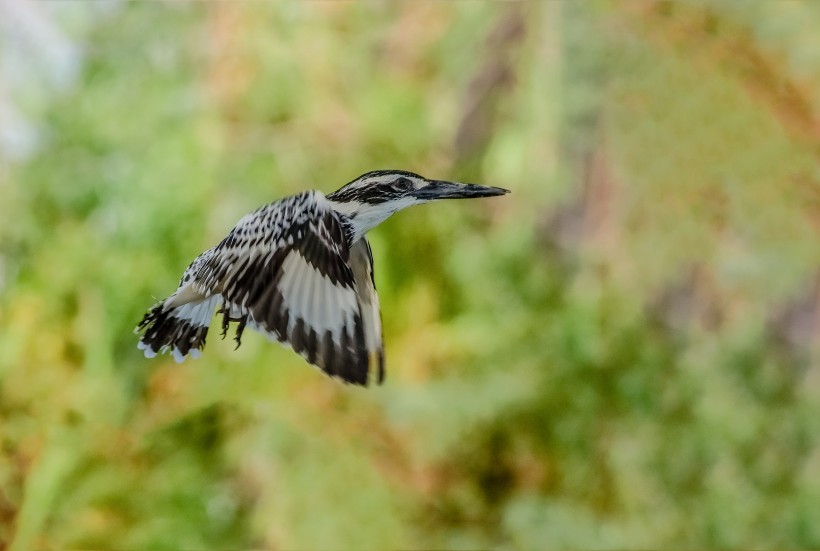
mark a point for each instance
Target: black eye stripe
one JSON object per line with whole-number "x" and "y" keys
{"x": 403, "y": 183}
{"x": 377, "y": 187}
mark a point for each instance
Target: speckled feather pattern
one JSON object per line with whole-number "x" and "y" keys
{"x": 300, "y": 271}
{"x": 283, "y": 270}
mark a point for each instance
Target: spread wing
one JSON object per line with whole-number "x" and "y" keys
{"x": 287, "y": 270}
{"x": 361, "y": 262}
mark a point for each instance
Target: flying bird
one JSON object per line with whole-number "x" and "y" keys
{"x": 299, "y": 270}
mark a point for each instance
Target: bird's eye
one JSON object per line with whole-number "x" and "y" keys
{"x": 403, "y": 184}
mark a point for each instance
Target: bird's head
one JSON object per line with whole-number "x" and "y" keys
{"x": 374, "y": 196}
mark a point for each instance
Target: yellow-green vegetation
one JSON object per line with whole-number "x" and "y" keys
{"x": 620, "y": 354}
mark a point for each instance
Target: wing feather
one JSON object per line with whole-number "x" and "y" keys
{"x": 361, "y": 261}
{"x": 288, "y": 270}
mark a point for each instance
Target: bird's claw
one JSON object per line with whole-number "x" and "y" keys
{"x": 239, "y": 329}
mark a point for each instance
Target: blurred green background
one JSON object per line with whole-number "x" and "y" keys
{"x": 620, "y": 354}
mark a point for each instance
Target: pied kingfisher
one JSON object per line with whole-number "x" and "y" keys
{"x": 300, "y": 271}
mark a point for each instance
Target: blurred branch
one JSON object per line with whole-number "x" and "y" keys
{"x": 494, "y": 79}
{"x": 794, "y": 327}
{"x": 713, "y": 39}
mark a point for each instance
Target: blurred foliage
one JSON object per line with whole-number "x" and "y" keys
{"x": 620, "y": 354}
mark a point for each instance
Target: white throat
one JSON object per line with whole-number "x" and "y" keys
{"x": 364, "y": 217}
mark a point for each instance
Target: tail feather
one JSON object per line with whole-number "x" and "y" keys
{"x": 181, "y": 329}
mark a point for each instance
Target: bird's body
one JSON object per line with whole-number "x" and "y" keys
{"x": 300, "y": 271}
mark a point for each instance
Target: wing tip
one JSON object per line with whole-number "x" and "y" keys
{"x": 381, "y": 370}
{"x": 376, "y": 360}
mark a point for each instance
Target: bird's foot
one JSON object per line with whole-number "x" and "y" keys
{"x": 239, "y": 329}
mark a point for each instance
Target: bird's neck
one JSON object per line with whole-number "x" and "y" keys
{"x": 361, "y": 217}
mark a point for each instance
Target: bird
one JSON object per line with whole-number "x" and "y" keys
{"x": 299, "y": 270}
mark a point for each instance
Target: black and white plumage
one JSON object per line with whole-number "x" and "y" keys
{"x": 300, "y": 271}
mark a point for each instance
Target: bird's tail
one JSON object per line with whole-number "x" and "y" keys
{"x": 178, "y": 329}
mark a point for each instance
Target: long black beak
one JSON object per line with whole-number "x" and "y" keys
{"x": 439, "y": 189}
